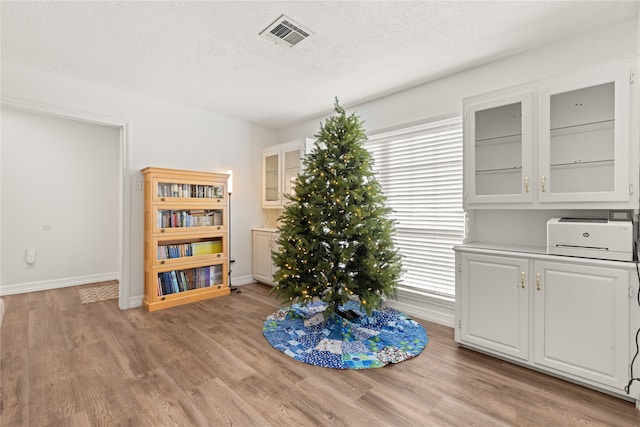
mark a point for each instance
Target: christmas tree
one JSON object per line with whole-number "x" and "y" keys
{"x": 335, "y": 234}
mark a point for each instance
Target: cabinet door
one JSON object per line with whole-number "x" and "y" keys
{"x": 581, "y": 321}
{"x": 498, "y": 150}
{"x": 292, "y": 163}
{"x": 495, "y": 304}
{"x": 262, "y": 256}
{"x": 584, "y": 129}
{"x": 271, "y": 178}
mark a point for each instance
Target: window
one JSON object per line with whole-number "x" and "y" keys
{"x": 419, "y": 167}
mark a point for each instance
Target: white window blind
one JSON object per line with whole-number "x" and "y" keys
{"x": 419, "y": 167}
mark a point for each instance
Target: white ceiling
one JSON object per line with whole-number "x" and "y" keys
{"x": 208, "y": 54}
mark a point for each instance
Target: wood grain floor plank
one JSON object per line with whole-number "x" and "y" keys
{"x": 229, "y": 406}
{"x": 157, "y": 401}
{"x": 14, "y": 355}
{"x": 273, "y": 401}
{"x": 453, "y": 412}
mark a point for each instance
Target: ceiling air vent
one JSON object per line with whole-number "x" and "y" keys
{"x": 285, "y": 31}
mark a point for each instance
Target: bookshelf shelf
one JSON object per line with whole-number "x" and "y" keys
{"x": 185, "y": 237}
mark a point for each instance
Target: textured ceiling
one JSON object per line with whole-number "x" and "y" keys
{"x": 208, "y": 54}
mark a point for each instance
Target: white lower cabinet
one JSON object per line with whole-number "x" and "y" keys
{"x": 263, "y": 243}
{"x": 567, "y": 316}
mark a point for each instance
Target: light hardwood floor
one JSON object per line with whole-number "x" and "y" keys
{"x": 207, "y": 364}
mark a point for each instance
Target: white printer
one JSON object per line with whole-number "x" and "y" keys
{"x": 590, "y": 238}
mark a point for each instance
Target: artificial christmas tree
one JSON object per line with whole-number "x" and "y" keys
{"x": 335, "y": 235}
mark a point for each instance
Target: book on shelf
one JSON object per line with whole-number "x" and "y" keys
{"x": 175, "y": 251}
{"x": 176, "y": 281}
{"x": 167, "y": 218}
{"x": 183, "y": 284}
{"x": 165, "y": 287}
{"x": 207, "y": 248}
{"x": 195, "y": 191}
{"x": 189, "y": 249}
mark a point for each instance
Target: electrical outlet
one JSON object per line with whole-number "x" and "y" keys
{"x": 30, "y": 258}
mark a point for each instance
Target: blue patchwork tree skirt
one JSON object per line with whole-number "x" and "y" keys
{"x": 387, "y": 336}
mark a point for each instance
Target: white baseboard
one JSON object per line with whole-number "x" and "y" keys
{"x": 242, "y": 280}
{"x": 422, "y": 307}
{"x": 135, "y": 301}
{"x": 45, "y": 285}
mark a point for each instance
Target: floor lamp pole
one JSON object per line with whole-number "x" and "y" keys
{"x": 231, "y": 260}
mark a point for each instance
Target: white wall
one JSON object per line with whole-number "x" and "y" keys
{"x": 444, "y": 96}
{"x": 60, "y": 197}
{"x": 161, "y": 134}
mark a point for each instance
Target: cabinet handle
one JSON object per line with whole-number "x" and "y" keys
{"x": 523, "y": 279}
{"x": 162, "y": 199}
{"x": 526, "y": 184}
{"x": 538, "y": 281}
{"x": 542, "y": 184}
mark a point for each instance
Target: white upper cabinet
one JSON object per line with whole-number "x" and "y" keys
{"x": 281, "y": 165}
{"x": 566, "y": 142}
{"x": 583, "y": 140}
{"x": 499, "y": 153}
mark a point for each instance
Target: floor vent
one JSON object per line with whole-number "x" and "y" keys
{"x": 285, "y": 31}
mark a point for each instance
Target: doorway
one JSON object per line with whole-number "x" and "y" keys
{"x": 122, "y": 197}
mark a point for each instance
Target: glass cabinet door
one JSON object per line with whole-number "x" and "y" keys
{"x": 498, "y": 150}
{"x": 291, "y": 167}
{"x": 271, "y": 190}
{"x": 584, "y": 140}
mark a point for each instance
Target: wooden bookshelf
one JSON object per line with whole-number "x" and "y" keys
{"x": 185, "y": 237}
